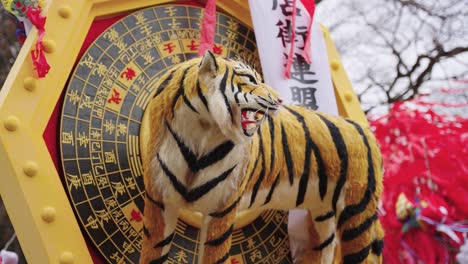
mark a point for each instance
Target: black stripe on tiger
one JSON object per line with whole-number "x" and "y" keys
{"x": 354, "y": 209}
{"x": 342, "y": 154}
{"x": 180, "y": 91}
{"x": 165, "y": 82}
{"x": 187, "y": 102}
{"x": 324, "y": 217}
{"x": 201, "y": 96}
{"x": 160, "y": 260}
{"x": 271, "y": 126}
{"x": 357, "y": 257}
{"x": 197, "y": 192}
{"x": 195, "y": 165}
{"x": 145, "y": 231}
{"x": 165, "y": 241}
{"x": 222, "y": 88}
{"x": 158, "y": 204}
{"x": 325, "y": 243}
{"x": 227, "y": 210}
{"x": 220, "y": 240}
{"x": 377, "y": 247}
{"x": 321, "y": 170}
{"x": 272, "y": 189}
{"x": 262, "y": 171}
{"x": 222, "y": 259}
{"x": 352, "y": 233}
{"x": 287, "y": 155}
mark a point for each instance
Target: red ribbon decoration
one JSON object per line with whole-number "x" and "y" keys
{"x": 208, "y": 28}
{"x": 39, "y": 60}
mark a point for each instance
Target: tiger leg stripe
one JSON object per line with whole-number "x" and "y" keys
{"x": 158, "y": 204}
{"x": 227, "y": 210}
{"x": 342, "y": 154}
{"x": 160, "y": 260}
{"x": 262, "y": 172}
{"x": 272, "y": 189}
{"x": 357, "y": 257}
{"x": 355, "y": 209}
{"x": 222, "y": 259}
{"x": 220, "y": 240}
{"x": 165, "y": 241}
{"x": 325, "y": 217}
{"x": 352, "y": 233}
{"x": 325, "y": 243}
{"x": 377, "y": 247}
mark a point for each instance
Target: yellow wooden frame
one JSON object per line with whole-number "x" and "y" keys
{"x": 30, "y": 185}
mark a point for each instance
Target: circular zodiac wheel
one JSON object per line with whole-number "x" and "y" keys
{"x": 101, "y": 128}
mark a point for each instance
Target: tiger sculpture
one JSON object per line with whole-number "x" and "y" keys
{"x": 221, "y": 141}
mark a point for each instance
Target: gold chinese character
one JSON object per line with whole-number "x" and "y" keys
{"x": 73, "y": 97}
{"x": 112, "y": 35}
{"x": 250, "y": 244}
{"x": 148, "y": 58}
{"x": 174, "y": 24}
{"x": 88, "y": 178}
{"x": 117, "y": 214}
{"x": 121, "y": 129}
{"x": 74, "y": 180}
{"x": 119, "y": 188}
{"x": 127, "y": 247}
{"x": 67, "y": 138}
{"x": 102, "y": 215}
{"x": 92, "y": 223}
{"x": 181, "y": 257}
{"x": 231, "y": 35}
{"x": 100, "y": 69}
{"x": 146, "y": 29}
{"x": 118, "y": 259}
{"x": 102, "y": 182}
{"x": 121, "y": 45}
{"x": 175, "y": 59}
{"x": 131, "y": 183}
{"x": 95, "y": 134}
{"x": 109, "y": 157}
{"x": 124, "y": 224}
{"x": 109, "y": 126}
{"x": 95, "y": 146}
{"x": 86, "y": 102}
{"x": 171, "y": 11}
{"x": 82, "y": 139}
{"x": 140, "y": 18}
{"x": 274, "y": 241}
{"x": 88, "y": 61}
{"x": 232, "y": 25}
{"x": 256, "y": 254}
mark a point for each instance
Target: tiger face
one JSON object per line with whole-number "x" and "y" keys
{"x": 239, "y": 99}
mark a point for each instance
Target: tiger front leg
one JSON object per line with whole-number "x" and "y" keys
{"x": 216, "y": 234}
{"x": 160, "y": 222}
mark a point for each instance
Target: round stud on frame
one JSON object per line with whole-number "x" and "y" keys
{"x": 66, "y": 258}
{"x": 64, "y": 11}
{"x": 29, "y": 83}
{"x": 49, "y": 45}
{"x": 335, "y": 65}
{"x": 30, "y": 168}
{"x": 11, "y": 123}
{"x": 348, "y": 96}
{"x": 48, "y": 214}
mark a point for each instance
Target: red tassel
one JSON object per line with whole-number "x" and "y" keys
{"x": 287, "y": 72}
{"x": 208, "y": 27}
{"x": 38, "y": 57}
{"x": 310, "y": 6}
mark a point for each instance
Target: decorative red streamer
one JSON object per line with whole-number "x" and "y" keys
{"x": 39, "y": 60}
{"x": 208, "y": 27}
{"x": 310, "y": 6}
{"x": 425, "y": 158}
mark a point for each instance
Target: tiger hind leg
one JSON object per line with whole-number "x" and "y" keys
{"x": 322, "y": 230}
{"x": 216, "y": 234}
{"x": 160, "y": 222}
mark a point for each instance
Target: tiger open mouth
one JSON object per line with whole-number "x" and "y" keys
{"x": 251, "y": 120}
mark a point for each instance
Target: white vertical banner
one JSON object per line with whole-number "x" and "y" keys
{"x": 310, "y": 85}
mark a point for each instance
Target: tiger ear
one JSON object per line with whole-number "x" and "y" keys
{"x": 208, "y": 64}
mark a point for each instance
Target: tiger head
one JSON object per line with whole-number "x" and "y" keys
{"x": 238, "y": 99}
